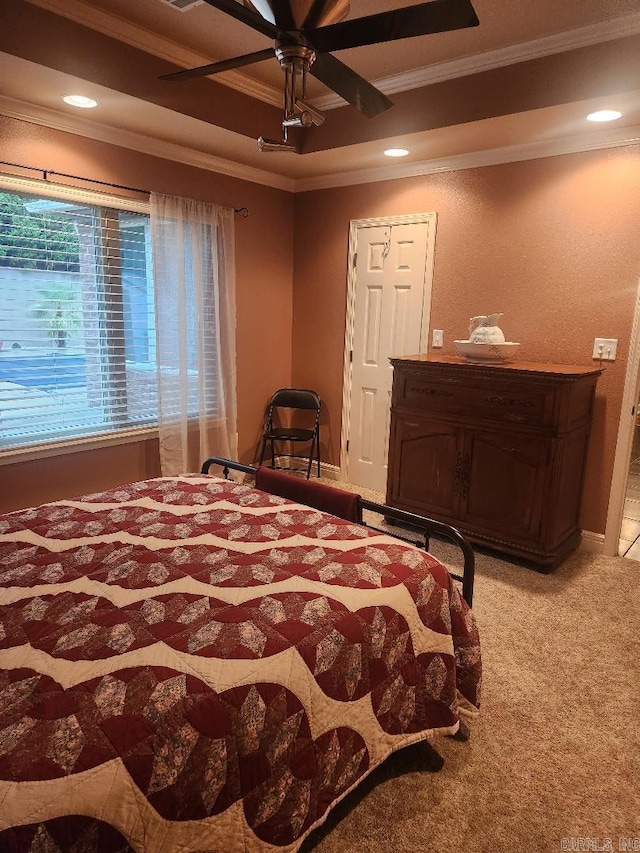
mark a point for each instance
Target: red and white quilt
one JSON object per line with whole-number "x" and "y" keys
{"x": 189, "y": 664}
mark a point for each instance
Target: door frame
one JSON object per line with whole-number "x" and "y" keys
{"x": 430, "y": 219}
{"x": 626, "y": 428}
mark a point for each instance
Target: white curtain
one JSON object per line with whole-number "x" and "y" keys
{"x": 193, "y": 255}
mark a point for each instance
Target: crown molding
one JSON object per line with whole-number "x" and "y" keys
{"x": 615, "y": 28}
{"x": 55, "y": 120}
{"x": 46, "y": 117}
{"x": 476, "y": 159}
{"x": 114, "y": 26}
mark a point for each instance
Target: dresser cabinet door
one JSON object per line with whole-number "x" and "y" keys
{"x": 426, "y": 466}
{"x": 504, "y": 477}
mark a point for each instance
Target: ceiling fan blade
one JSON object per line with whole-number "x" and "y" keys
{"x": 435, "y": 17}
{"x": 351, "y": 86}
{"x": 217, "y": 67}
{"x": 246, "y": 15}
{"x": 283, "y": 14}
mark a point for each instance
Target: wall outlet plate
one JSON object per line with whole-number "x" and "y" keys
{"x": 437, "y": 338}
{"x": 605, "y": 349}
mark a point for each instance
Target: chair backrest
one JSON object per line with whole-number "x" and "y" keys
{"x": 295, "y": 398}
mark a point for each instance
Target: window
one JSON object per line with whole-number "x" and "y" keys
{"x": 77, "y": 327}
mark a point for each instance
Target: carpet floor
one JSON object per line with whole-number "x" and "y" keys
{"x": 555, "y": 752}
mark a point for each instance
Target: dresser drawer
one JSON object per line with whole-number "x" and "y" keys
{"x": 511, "y": 406}
{"x": 501, "y": 401}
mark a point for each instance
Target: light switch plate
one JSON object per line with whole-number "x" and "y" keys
{"x": 605, "y": 349}
{"x": 437, "y": 338}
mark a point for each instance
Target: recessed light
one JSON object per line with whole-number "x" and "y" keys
{"x": 604, "y": 115}
{"x": 80, "y": 101}
{"x": 396, "y": 152}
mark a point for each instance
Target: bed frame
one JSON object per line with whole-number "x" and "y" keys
{"x": 427, "y": 527}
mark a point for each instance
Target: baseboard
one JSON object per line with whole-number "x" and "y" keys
{"x": 592, "y": 542}
{"x": 331, "y": 472}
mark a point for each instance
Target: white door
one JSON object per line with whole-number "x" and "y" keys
{"x": 390, "y": 295}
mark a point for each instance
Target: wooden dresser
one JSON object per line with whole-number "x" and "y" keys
{"x": 497, "y": 450}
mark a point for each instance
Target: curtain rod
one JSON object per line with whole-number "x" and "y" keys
{"x": 243, "y": 211}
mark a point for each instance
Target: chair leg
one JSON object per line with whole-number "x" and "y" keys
{"x": 318, "y": 449}
{"x": 310, "y": 460}
{"x": 273, "y": 456}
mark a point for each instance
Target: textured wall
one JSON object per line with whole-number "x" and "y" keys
{"x": 264, "y": 252}
{"x": 553, "y": 243}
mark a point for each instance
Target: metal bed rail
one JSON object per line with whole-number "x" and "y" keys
{"x": 427, "y": 527}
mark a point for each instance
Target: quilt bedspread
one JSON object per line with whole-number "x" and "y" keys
{"x": 189, "y": 664}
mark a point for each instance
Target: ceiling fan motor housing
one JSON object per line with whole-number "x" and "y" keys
{"x": 297, "y": 55}
{"x": 297, "y": 11}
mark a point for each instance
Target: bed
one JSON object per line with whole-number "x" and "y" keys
{"x": 193, "y": 664}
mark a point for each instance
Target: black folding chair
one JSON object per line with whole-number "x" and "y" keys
{"x": 293, "y": 399}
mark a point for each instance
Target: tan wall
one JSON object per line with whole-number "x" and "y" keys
{"x": 553, "y": 243}
{"x": 264, "y": 251}
{"x": 70, "y": 475}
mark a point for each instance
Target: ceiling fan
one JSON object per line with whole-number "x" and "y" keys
{"x": 304, "y": 34}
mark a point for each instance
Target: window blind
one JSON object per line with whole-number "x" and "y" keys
{"x": 77, "y": 319}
